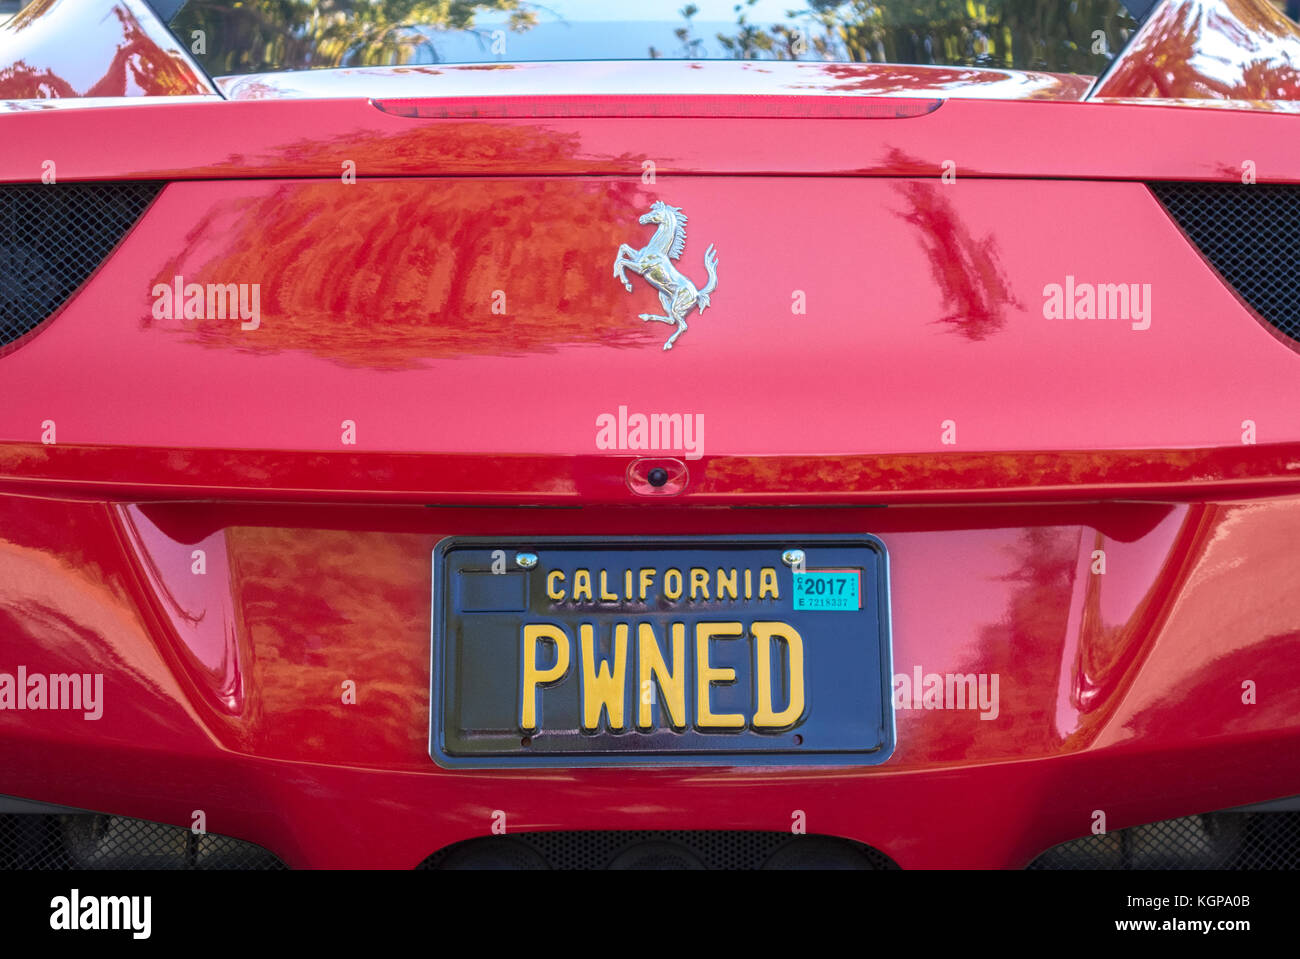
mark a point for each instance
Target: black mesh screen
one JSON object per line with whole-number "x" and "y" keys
{"x": 54, "y": 236}
{"x": 713, "y": 849}
{"x": 93, "y": 841}
{"x": 1251, "y": 233}
{"x": 1221, "y": 840}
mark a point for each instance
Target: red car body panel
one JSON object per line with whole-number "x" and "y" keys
{"x": 1121, "y": 691}
{"x": 413, "y": 310}
{"x": 314, "y": 138}
{"x": 1131, "y": 690}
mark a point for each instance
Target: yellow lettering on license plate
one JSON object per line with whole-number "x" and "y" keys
{"x": 659, "y": 664}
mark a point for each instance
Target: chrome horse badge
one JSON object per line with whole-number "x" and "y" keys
{"x": 654, "y": 261}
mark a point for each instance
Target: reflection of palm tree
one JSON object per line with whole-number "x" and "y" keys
{"x": 1019, "y": 34}
{"x": 137, "y": 63}
{"x": 748, "y": 40}
{"x": 1022, "y": 646}
{"x": 968, "y": 271}
{"x": 432, "y": 257}
{"x": 692, "y": 46}
{"x": 1172, "y": 57}
{"x": 263, "y": 35}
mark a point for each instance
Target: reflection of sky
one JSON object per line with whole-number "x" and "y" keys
{"x": 618, "y": 30}
{"x": 581, "y": 40}
{"x": 623, "y": 30}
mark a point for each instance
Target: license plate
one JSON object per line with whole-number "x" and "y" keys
{"x": 661, "y": 650}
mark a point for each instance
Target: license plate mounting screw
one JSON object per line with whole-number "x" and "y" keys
{"x": 793, "y": 558}
{"x": 525, "y": 560}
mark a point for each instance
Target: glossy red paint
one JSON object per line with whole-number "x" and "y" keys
{"x": 1120, "y": 691}
{"x": 394, "y": 330}
{"x": 224, "y": 689}
{"x": 718, "y": 480}
{"x": 1129, "y": 683}
{"x": 54, "y": 49}
{"x": 1210, "y": 49}
{"x": 158, "y": 139}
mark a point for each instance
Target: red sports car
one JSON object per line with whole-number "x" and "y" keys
{"x": 594, "y": 435}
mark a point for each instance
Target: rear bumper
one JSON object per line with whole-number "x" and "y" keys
{"x": 1165, "y": 686}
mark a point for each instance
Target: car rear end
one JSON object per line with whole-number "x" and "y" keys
{"x": 335, "y": 447}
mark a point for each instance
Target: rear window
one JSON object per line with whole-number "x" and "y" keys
{"x": 259, "y": 36}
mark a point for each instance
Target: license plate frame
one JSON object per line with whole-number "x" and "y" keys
{"x": 857, "y": 730}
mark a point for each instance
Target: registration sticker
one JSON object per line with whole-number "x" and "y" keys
{"x": 827, "y": 590}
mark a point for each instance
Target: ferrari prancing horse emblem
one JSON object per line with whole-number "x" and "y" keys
{"x": 654, "y": 261}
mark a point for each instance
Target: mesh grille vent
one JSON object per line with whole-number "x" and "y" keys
{"x": 1251, "y": 233}
{"x": 1221, "y": 840}
{"x": 93, "y": 841}
{"x": 52, "y": 237}
{"x": 647, "y": 849}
